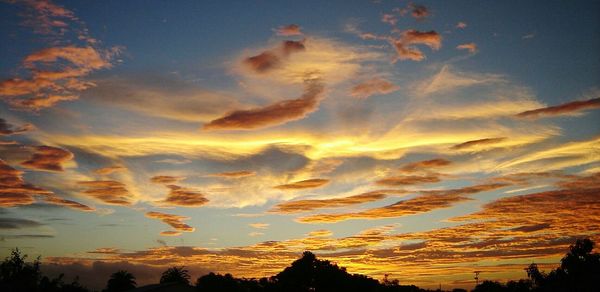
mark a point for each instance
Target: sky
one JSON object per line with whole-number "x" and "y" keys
{"x": 419, "y": 140}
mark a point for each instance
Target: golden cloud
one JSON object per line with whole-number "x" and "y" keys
{"x": 289, "y": 30}
{"x": 174, "y": 221}
{"x": 108, "y": 192}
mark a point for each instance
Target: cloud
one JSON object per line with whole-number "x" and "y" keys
{"x": 164, "y": 96}
{"x": 7, "y": 129}
{"x": 48, "y": 86}
{"x": 109, "y": 170}
{"x": 426, "y": 202}
{"x": 18, "y": 223}
{"x": 471, "y": 47}
{"x": 183, "y": 197}
{"x": 259, "y": 225}
{"x": 425, "y": 165}
{"x": 48, "y": 158}
{"x": 174, "y": 221}
{"x": 569, "y": 108}
{"x": 320, "y": 233}
{"x": 447, "y": 80}
{"x": 166, "y": 179}
{"x": 405, "y": 45}
{"x": 271, "y": 59}
{"x": 56, "y": 200}
{"x": 419, "y": 12}
{"x": 461, "y": 25}
{"x": 289, "y": 30}
{"x": 403, "y": 180}
{"x": 476, "y": 143}
{"x": 372, "y": 87}
{"x": 234, "y": 174}
{"x": 108, "y": 192}
{"x": 271, "y": 115}
{"x": 303, "y": 184}
{"x": 14, "y": 191}
{"x": 55, "y": 73}
{"x": 389, "y": 18}
{"x": 309, "y": 205}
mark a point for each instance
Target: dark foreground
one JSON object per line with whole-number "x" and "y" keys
{"x": 579, "y": 271}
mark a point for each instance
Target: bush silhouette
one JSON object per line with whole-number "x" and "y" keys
{"x": 175, "y": 275}
{"x": 120, "y": 281}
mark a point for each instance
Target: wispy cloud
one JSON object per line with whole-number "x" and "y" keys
{"x": 303, "y": 184}
{"x": 48, "y": 158}
{"x": 568, "y": 108}
{"x": 174, "y": 221}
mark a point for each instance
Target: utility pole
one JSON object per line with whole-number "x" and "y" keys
{"x": 477, "y": 278}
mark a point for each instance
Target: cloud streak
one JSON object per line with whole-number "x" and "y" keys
{"x": 272, "y": 115}
{"x": 568, "y": 108}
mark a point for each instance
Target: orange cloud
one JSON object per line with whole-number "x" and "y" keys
{"x": 55, "y": 200}
{"x": 473, "y": 143}
{"x": 110, "y": 169}
{"x": 174, "y": 221}
{"x": 309, "y": 205}
{"x": 409, "y": 38}
{"x": 471, "y": 47}
{"x": 234, "y": 174}
{"x": 408, "y": 180}
{"x": 183, "y": 197}
{"x": 372, "y": 87}
{"x": 14, "y": 191}
{"x": 304, "y": 184}
{"x": 48, "y": 158}
{"x": 271, "y": 115}
{"x": 427, "y": 201}
{"x": 107, "y": 191}
{"x": 563, "y": 109}
{"x": 289, "y": 30}
{"x": 165, "y": 179}
{"x": 7, "y": 129}
{"x": 259, "y": 225}
{"x": 461, "y": 25}
{"x": 425, "y": 165}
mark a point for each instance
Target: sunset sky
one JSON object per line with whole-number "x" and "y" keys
{"x": 423, "y": 140}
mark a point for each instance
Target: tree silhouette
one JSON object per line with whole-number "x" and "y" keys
{"x": 120, "y": 281}
{"x": 18, "y": 276}
{"x": 175, "y": 274}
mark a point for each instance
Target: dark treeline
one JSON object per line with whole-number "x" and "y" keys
{"x": 579, "y": 271}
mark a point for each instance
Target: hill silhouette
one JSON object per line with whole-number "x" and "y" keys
{"x": 579, "y": 270}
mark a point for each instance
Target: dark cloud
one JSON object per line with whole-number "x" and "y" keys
{"x": 107, "y": 191}
{"x": 419, "y": 11}
{"x": 18, "y": 223}
{"x": 304, "y": 184}
{"x": 473, "y": 143}
{"x": 372, "y": 87}
{"x": 563, "y": 109}
{"x": 58, "y": 201}
{"x": 271, "y": 115}
{"x": 48, "y": 158}
{"x": 309, "y": 205}
{"x": 7, "y": 129}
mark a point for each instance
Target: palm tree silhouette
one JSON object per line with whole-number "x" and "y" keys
{"x": 121, "y": 281}
{"x": 175, "y": 274}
